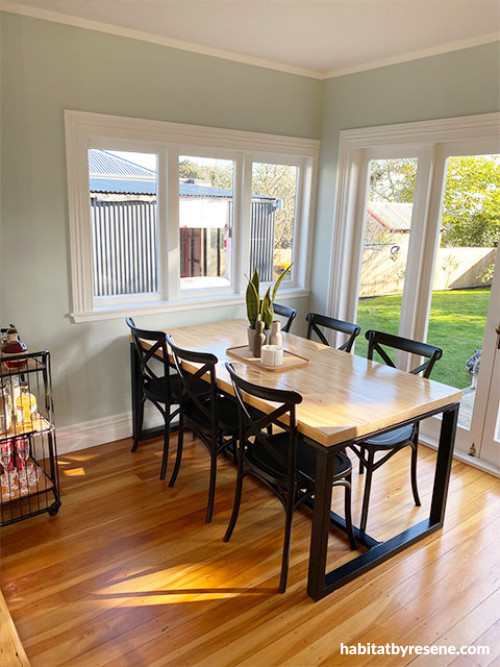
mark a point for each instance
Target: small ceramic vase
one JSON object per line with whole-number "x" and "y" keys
{"x": 259, "y": 340}
{"x": 276, "y": 337}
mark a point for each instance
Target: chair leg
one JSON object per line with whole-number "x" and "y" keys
{"x": 236, "y": 507}
{"x": 348, "y": 513}
{"x": 178, "y": 457}
{"x": 166, "y": 442}
{"x": 366, "y": 494}
{"x": 361, "y": 466}
{"x": 413, "y": 472}
{"x": 211, "y": 489}
{"x": 139, "y": 420}
{"x": 286, "y": 543}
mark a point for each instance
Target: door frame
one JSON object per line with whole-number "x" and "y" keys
{"x": 431, "y": 142}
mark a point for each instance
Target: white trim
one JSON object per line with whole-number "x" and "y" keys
{"x": 463, "y": 457}
{"x": 168, "y": 140}
{"x": 143, "y": 36}
{"x": 107, "y": 126}
{"x": 178, "y": 306}
{"x": 102, "y": 431}
{"x": 119, "y": 427}
{"x": 415, "y": 55}
{"x": 131, "y": 33}
{"x": 93, "y": 433}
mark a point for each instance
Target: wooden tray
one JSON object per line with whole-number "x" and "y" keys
{"x": 290, "y": 359}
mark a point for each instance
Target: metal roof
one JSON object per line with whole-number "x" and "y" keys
{"x": 393, "y": 216}
{"x": 110, "y": 174}
{"x": 103, "y": 163}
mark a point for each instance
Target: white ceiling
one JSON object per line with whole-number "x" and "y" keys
{"x": 315, "y": 37}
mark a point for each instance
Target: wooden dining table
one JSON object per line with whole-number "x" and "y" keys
{"x": 346, "y": 399}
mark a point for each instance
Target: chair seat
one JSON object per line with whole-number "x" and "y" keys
{"x": 228, "y": 415}
{"x": 306, "y": 457}
{"x": 155, "y": 388}
{"x": 391, "y": 438}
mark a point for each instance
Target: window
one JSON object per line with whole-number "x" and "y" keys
{"x": 206, "y": 205}
{"x": 166, "y": 216}
{"x": 274, "y": 188}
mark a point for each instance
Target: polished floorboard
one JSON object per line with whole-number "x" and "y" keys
{"x": 128, "y": 573}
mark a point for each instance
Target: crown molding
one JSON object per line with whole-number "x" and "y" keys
{"x": 416, "y": 55}
{"x": 77, "y": 22}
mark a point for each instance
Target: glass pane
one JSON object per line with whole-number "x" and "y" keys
{"x": 274, "y": 191}
{"x": 123, "y": 200}
{"x": 205, "y": 221}
{"x": 470, "y": 230}
{"x": 387, "y": 231}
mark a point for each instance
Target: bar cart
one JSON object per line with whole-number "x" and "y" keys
{"x": 29, "y": 482}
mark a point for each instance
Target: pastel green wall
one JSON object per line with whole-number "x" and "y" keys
{"x": 46, "y": 68}
{"x": 460, "y": 83}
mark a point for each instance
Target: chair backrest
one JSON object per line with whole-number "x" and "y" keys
{"x": 152, "y": 358}
{"x": 314, "y": 321}
{"x": 257, "y": 427}
{"x": 205, "y": 363}
{"x": 377, "y": 340}
{"x": 284, "y": 311}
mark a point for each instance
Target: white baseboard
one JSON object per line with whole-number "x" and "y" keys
{"x": 119, "y": 427}
{"x": 464, "y": 458}
{"x": 102, "y": 431}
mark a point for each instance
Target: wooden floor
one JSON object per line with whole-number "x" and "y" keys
{"x": 128, "y": 573}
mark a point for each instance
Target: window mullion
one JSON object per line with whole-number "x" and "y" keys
{"x": 243, "y": 220}
{"x": 172, "y": 246}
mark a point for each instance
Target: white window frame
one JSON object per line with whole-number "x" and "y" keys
{"x": 426, "y": 137}
{"x": 436, "y": 140}
{"x": 86, "y": 130}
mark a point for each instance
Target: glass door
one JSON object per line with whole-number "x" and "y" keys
{"x": 387, "y": 230}
{"x": 465, "y": 302}
{"x": 415, "y": 252}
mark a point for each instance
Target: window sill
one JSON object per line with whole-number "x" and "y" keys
{"x": 122, "y": 310}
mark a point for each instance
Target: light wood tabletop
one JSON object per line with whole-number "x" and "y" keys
{"x": 344, "y": 396}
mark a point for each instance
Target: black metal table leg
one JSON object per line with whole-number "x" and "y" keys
{"x": 443, "y": 464}
{"x": 320, "y": 524}
{"x": 320, "y": 583}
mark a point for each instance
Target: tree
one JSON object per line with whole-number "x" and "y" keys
{"x": 393, "y": 180}
{"x": 219, "y": 174}
{"x": 471, "y": 207}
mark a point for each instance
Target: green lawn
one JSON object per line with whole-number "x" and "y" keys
{"x": 456, "y": 324}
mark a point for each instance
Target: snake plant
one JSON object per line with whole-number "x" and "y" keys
{"x": 252, "y": 298}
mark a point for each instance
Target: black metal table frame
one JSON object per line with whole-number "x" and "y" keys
{"x": 320, "y": 583}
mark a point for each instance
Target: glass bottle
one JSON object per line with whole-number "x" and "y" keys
{"x": 5, "y": 410}
{"x": 25, "y": 405}
{"x": 11, "y": 346}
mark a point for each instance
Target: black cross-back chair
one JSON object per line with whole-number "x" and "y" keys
{"x": 406, "y": 436}
{"x": 157, "y": 385}
{"x": 314, "y": 321}
{"x": 286, "y": 312}
{"x": 283, "y": 461}
{"x": 211, "y": 416}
